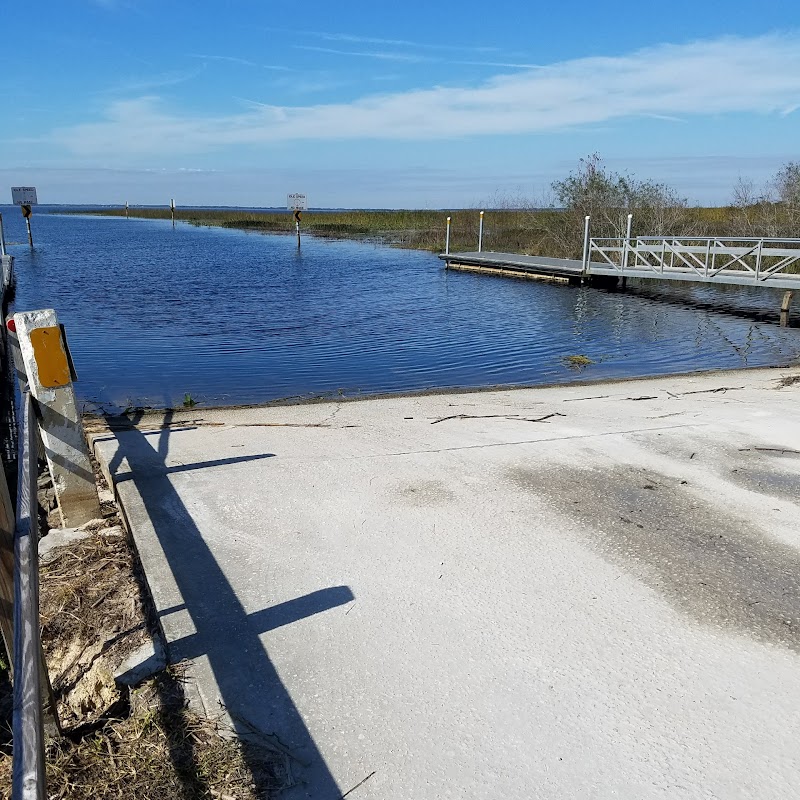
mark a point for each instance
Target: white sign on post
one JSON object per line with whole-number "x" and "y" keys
{"x": 296, "y": 201}
{"x": 23, "y": 195}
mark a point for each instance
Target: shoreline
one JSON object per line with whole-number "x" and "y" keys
{"x": 289, "y": 402}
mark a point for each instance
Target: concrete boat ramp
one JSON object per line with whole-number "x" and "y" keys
{"x": 583, "y": 591}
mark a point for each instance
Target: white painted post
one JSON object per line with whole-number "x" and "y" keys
{"x": 447, "y": 239}
{"x": 758, "y": 259}
{"x": 586, "y": 223}
{"x": 44, "y": 361}
{"x": 627, "y": 245}
{"x": 480, "y": 235}
{"x": 7, "y": 266}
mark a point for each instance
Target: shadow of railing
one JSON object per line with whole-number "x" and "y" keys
{"x": 251, "y": 691}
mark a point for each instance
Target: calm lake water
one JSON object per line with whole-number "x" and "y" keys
{"x": 230, "y": 317}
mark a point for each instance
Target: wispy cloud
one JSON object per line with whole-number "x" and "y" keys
{"x": 759, "y": 75}
{"x": 353, "y": 39}
{"x": 229, "y": 59}
{"x": 241, "y": 61}
{"x": 498, "y": 64}
{"x": 379, "y": 54}
{"x": 147, "y": 84}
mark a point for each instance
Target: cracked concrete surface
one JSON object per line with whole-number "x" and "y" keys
{"x": 600, "y": 604}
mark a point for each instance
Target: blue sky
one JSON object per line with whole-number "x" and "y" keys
{"x": 375, "y": 104}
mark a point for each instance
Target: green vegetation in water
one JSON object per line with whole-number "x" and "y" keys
{"x": 578, "y": 362}
{"x": 189, "y": 401}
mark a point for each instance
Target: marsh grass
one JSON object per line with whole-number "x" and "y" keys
{"x": 550, "y": 231}
{"x": 521, "y": 230}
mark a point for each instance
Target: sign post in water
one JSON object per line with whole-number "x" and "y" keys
{"x": 297, "y": 203}
{"x": 25, "y": 198}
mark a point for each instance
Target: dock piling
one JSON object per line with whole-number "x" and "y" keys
{"x": 786, "y": 303}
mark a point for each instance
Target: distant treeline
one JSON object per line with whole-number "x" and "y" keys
{"x": 552, "y": 227}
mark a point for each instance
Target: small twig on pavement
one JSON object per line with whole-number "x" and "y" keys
{"x": 780, "y": 450}
{"x": 512, "y": 417}
{"x": 358, "y": 784}
{"x": 719, "y": 389}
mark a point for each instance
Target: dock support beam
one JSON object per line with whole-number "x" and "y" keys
{"x": 47, "y": 368}
{"x": 786, "y": 304}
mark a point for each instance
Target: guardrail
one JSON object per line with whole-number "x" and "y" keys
{"x": 49, "y": 428}
{"x": 28, "y": 771}
{"x": 759, "y": 261}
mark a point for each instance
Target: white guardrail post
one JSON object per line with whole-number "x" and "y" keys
{"x": 447, "y": 239}
{"x": 480, "y": 234}
{"x": 49, "y": 374}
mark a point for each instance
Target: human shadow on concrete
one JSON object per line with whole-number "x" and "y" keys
{"x": 250, "y": 689}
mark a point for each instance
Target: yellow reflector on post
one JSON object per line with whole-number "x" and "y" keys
{"x": 50, "y": 356}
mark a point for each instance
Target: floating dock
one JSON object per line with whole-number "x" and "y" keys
{"x": 761, "y": 263}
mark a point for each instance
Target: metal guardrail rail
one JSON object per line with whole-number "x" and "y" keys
{"x": 763, "y": 261}
{"x": 28, "y": 770}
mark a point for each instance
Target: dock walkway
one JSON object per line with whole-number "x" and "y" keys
{"x": 767, "y": 263}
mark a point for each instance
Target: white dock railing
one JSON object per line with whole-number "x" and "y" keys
{"x": 755, "y": 261}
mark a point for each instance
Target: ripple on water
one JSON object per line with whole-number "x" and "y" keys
{"x": 231, "y": 317}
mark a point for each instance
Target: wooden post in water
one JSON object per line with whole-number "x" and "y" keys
{"x": 298, "y": 213}
{"x": 172, "y": 209}
{"x": 126, "y": 209}
{"x": 2, "y": 238}
{"x": 27, "y": 212}
{"x": 786, "y": 304}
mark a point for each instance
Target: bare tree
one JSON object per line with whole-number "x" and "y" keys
{"x": 608, "y": 197}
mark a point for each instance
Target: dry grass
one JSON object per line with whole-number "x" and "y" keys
{"x": 144, "y": 743}
{"x": 160, "y": 751}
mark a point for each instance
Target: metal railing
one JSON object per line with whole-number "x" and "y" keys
{"x": 30, "y": 682}
{"x": 757, "y": 260}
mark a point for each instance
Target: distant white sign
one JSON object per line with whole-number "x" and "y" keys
{"x": 23, "y": 195}
{"x": 295, "y": 201}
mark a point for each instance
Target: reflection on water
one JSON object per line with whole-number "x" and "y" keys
{"x": 230, "y": 317}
